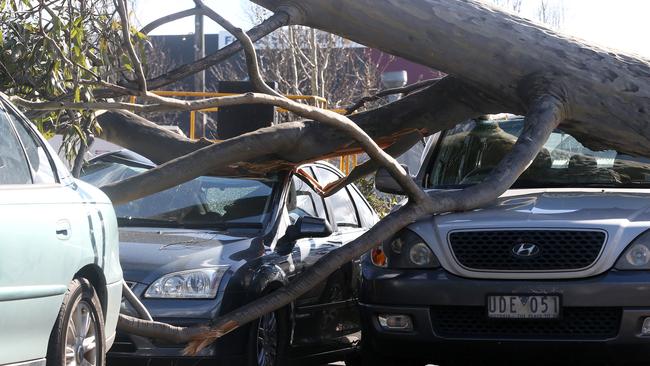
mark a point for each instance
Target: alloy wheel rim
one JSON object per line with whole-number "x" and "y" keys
{"x": 267, "y": 340}
{"x": 80, "y": 340}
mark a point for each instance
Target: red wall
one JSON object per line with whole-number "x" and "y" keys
{"x": 416, "y": 72}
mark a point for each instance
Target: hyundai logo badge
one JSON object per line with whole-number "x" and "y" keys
{"x": 526, "y": 250}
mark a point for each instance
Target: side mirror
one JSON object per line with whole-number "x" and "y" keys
{"x": 384, "y": 182}
{"x": 305, "y": 227}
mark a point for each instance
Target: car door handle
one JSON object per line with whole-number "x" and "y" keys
{"x": 63, "y": 229}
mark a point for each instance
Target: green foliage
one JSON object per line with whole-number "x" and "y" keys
{"x": 382, "y": 203}
{"x": 53, "y": 50}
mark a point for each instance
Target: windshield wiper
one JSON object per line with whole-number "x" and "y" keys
{"x": 137, "y": 221}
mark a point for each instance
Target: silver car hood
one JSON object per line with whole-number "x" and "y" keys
{"x": 622, "y": 213}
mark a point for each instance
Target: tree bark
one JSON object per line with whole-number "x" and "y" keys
{"x": 433, "y": 109}
{"x": 493, "y": 51}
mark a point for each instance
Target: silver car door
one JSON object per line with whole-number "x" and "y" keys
{"x": 37, "y": 225}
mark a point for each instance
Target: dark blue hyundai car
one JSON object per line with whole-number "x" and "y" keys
{"x": 199, "y": 250}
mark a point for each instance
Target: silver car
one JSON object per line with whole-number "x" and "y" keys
{"x": 60, "y": 273}
{"x": 559, "y": 262}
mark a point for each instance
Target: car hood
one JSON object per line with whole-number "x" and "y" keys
{"x": 622, "y": 213}
{"x": 148, "y": 253}
{"x": 528, "y": 205}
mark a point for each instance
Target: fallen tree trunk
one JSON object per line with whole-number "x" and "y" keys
{"x": 494, "y": 51}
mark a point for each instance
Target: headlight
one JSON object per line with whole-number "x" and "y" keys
{"x": 193, "y": 284}
{"x": 405, "y": 250}
{"x": 637, "y": 254}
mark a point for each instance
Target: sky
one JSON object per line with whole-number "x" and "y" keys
{"x": 618, "y": 24}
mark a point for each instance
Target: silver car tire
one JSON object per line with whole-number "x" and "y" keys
{"x": 78, "y": 337}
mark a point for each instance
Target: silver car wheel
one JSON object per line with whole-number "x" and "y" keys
{"x": 267, "y": 340}
{"x": 80, "y": 341}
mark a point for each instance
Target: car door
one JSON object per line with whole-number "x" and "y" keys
{"x": 35, "y": 227}
{"x": 328, "y": 311}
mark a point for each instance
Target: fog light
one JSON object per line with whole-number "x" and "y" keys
{"x": 398, "y": 322}
{"x": 645, "y": 329}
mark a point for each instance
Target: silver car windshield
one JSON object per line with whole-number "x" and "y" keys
{"x": 205, "y": 202}
{"x": 467, "y": 154}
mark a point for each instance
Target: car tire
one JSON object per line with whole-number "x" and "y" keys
{"x": 268, "y": 340}
{"x": 78, "y": 334}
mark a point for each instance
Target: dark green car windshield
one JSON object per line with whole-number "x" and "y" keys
{"x": 205, "y": 202}
{"x": 466, "y": 154}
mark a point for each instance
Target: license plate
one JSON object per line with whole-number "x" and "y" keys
{"x": 523, "y": 306}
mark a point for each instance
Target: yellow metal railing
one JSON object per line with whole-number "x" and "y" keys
{"x": 315, "y": 100}
{"x": 346, "y": 163}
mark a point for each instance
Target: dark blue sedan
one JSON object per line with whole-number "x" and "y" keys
{"x": 206, "y": 247}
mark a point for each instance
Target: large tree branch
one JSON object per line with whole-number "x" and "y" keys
{"x": 436, "y": 108}
{"x": 190, "y": 163}
{"x": 214, "y": 157}
{"x": 433, "y": 109}
{"x": 157, "y": 330}
{"x": 144, "y": 137}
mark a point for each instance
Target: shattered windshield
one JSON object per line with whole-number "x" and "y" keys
{"x": 205, "y": 202}
{"x": 468, "y": 153}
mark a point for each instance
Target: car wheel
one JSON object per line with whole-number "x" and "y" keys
{"x": 268, "y": 340}
{"x": 78, "y": 335}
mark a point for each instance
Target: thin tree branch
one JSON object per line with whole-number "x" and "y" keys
{"x": 126, "y": 34}
{"x": 403, "y": 90}
{"x": 249, "y": 49}
{"x": 271, "y": 24}
{"x": 170, "y": 18}
{"x": 368, "y": 167}
{"x": 84, "y": 145}
{"x": 133, "y": 300}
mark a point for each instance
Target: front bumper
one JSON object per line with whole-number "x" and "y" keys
{"x": 131, "y": 346}
{"x": 182, "y": 313}
{"x": 447, "y": 309}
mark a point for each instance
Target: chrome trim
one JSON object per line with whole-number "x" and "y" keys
{"x": 473, "y": 270}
